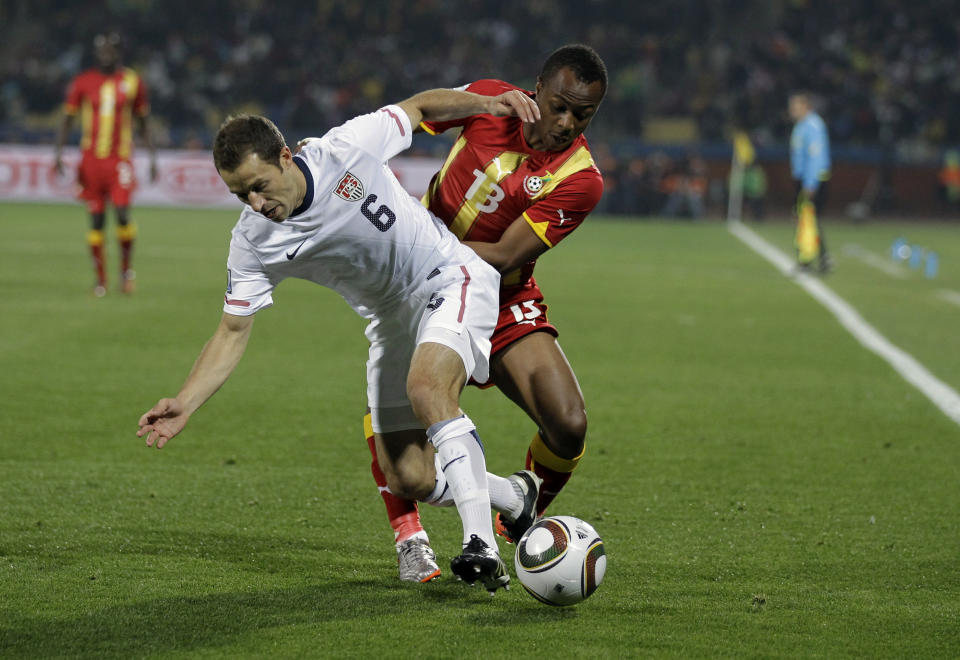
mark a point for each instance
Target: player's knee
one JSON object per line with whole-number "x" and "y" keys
{"x": 420, "y": 393}
{"x": 566, "y": 430}
{"x": 431, "y": 401}
{"x": 410, "y": 484}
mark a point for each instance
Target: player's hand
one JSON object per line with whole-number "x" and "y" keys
{"x": 515, "y": 104}
{"x": 162, "y": 422}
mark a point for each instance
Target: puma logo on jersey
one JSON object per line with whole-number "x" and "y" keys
{"x": 500, "y": 172}
{"x": 562, "y": 218}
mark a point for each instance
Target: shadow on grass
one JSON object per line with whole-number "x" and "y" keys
{"x": 192, "y": 624}
{"x": 341, "y": 588}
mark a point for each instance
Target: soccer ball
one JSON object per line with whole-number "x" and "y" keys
{"x": 560, "y": 560}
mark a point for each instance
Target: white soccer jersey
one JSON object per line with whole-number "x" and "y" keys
{"x": 357, "y": 231}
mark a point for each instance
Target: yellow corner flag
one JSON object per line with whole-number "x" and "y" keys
{"x": 808, "y": 234}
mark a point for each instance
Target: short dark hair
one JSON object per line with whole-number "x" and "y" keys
{"x": 242, "y": 135}
{"x": 579, "y": 58}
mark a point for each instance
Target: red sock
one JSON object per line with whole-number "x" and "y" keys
{"x": 126, "y": 234}
{"x": 554, "y": 471}
{"x": 95, "y": 241}
{"x": 403, "y": 514}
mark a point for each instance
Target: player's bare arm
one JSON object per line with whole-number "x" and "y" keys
{"x": 66, "y": 123}
{"x": 446, "y": 104}
{"x": 517, "y": 245}
{"x": 143, "y": 127}
{"x": 216, "y": 362}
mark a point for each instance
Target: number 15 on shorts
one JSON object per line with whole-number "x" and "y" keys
{"x": 527, "y": 313}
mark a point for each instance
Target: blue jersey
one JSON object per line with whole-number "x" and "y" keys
{"x": 810, "y": 151}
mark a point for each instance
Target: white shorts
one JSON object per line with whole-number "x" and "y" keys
{"x": 457, "y": 307}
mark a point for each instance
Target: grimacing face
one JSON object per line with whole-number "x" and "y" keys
{"x": 271, "y": 191}
{"x": 566, "y": 107}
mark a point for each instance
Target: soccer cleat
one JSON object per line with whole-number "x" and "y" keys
{"x": 529, "y": 485}
{"x": 416, "y": 561}
{"x": 128, "y": 281}
{"x": 481, "y": 562}
{"x": 99, "y": 291}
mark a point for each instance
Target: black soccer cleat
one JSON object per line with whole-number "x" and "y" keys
{"x": 481, "y": 562}
{"x": 529, "y": 485}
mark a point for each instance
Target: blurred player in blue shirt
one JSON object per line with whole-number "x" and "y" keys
{"x": 810, "y": 167}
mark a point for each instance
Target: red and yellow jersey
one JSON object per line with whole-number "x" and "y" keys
{"x": 492, "y": 177}
{"x": 106, "y": 103}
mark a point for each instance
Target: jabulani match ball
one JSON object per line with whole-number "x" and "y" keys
{"x": 560, "y": 560}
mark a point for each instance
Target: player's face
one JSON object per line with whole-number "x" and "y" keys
{"x": 269, "y": 190}
{"x": 566, "y": 107}
{"x": 106, "y": 48}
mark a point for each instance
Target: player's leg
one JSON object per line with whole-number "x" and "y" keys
{"x": 122, "y": 187}
{"x": 434, "y": 383}
{"x": 408, "y": 459}
{"x": 93, "y": 193}
{"x": 436, "y": 377}
{"x": 453, "y": 344}
{"x": 535, "y": 374}
{"x": 403, "y": 514}
{"x": 825, "y": 262}
{"x": 95, "y": 243}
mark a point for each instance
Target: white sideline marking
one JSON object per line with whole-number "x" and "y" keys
{"x": 950, "y": 296}
{"x": 871, "y": 259}
{"x": 941, "y": 394}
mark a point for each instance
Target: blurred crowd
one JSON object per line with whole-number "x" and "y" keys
{"x": 888, "y": 71}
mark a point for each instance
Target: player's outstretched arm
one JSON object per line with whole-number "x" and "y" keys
{"x": 216, "y": 362}
{"x": 446, "y": 104}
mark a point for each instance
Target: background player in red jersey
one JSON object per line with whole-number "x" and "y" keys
{"x": 110, "y": 99}
{"x": 512, "y": 191}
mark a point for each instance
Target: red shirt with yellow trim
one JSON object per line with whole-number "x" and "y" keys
{"x": 106, "y": 103}
{"x": 492, "y": 177}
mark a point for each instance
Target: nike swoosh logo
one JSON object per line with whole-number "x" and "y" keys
{"x": 291, "y": 255}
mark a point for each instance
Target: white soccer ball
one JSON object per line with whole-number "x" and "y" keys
{"x": 560, "y": 560}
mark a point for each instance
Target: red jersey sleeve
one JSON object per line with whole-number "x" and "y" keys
{"x": 74, "y": 96}
{"x": 485, "y": 87}
{"x": 563, "y": 209}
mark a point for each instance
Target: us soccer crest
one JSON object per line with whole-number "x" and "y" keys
{"x": 349, "y": 188}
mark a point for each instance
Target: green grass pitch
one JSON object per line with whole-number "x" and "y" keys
{"x": 765, "y": 486}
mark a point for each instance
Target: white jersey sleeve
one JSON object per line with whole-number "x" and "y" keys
{"x": 381, "y": 134}
{"x": 249, "y": 288}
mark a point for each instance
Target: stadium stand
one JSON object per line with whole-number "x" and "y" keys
{"x": 886, "y": 68}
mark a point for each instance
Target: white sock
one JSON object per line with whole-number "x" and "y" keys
{"x": 464, "y": 466}
{"x": 505, "y": 496}
{"x": 441, "y": 495}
